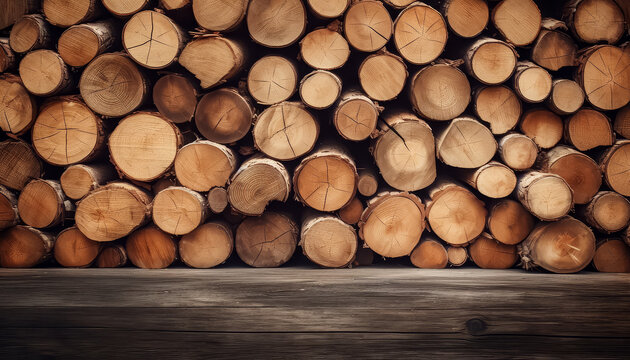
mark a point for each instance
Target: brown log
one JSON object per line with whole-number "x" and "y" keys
{"x": 351, "y": 213}
{"x": 367, "y": 26}
{"x": 465, "y": 143}
{"x": 518, "y": 151}
{"x": 73, "y": 249}
{"x": 546, "y": 196}
{"x": 29, "y": 33}
{"x": 42, "y": 204}
{"x": 325, "y": 48}
{"x": 622, "y": 122}
{"x": 417, "y": 47}
{"x": 490, "y": 61}
{"x": 18, "y": 164}
{"x": 566, "y": 97}
{"x": 509, "y": 222}
{"x": 382, "y": 75}
{"x": 175, "y": 97}
{"x": 112, "y": 256}
{"x": 44, "y": 73}
{"x": 532, "y": 83}
{"x": 328, "y": 9}
{"x": 112, "y": 211}
{"x": 18, "y": 107}
{"x": 518, "y": 21}
{"x": 593, "y": 21}
{"x": 224, "y": 115}
{"x": 355, "y": 116}
{"x": 612, "y": 255}
{"x": 12, "y": 10}
{"x": 368, "y": 181}
{"x": 466, "y": 18}
{"x": 8, "y": 60}
{"x": 588, "y": 129}
{"x": 112, "y": 85}
{"x": 63, "y": 13}
{"x": 607, "y": 212}
{"x": 217, "y": 199}
{"x": 453, "y": 85}
{"x": 553, "y": 48}
{"x": 615, "y": 167}
{"x": 274, "y": 23}
{"x": 398, "y": 4}
{"x": 563, "y": 246}
{"x": 320, "y": 89}
{"x": 488, "y": 253}
{"x": 392, "y": 223}
{"x": 542, "y": 126}
{"x": 125, "y": 8}
{"x": 429, "y": 254}
{"x": 272, "y": 79}
{"x": 578, "y": 170}
{"x": 78, "y": 180}
{"x": 499, "y": 106}
{"x": 625, "y": 7}
{"x": 202, "y": 165}
{"x": 494, "y": 179}
{"x": 256, "y": 183}
{"x": 8, "y": 209}
{"x": 178, "y": 210}
{"x": 266, "y": 241}
{"x": 602, "y": 73}
{"x": 457, "y": 256}
{"x": 327, "y": 241}
{"x": 209, "y": 245}
{"x": 213, "y": 59}
{"x": 216, "y": 15}
{"x": 24, "y": 247}
{"x": 79, "y": 44}
{"x": 151, "y": 248}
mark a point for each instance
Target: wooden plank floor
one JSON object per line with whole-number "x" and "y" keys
{"x": 370, "y": 312}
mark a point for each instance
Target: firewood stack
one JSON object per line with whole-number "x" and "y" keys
{"x": 446, "y": 132}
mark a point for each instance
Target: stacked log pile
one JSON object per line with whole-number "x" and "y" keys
{"x": 446, "y": 132}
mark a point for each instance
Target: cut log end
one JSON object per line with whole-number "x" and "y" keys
{"x": 420, "y": 47}
{"x": 491, "y": 61}
{"x": 465, "y": 143}
{"x": 429, "y": 254}
{"x": 499, "y": 106}
{"x": 320, "y": 89}
{"x": 18, "y": 107}
{"x": 41, "y": 204}
{"x": 73, "y": 249}
{"x": 351, "y": 213}
{"x": 604, "y": 91}
{"x": 328, "y": 242}
{"x": 355, "y": 117}
{"x": 457, "y": 256}
{"x": 554, "y": 50}
{"x": 224, "y": 116}
{"x": 217, "y": 199}
{"x": 24, "y": 247}
{"x": 272, "y": 79}
{"x": 207, "y": 246}
{"x": 44, "y": 73}
{"x": 175, "y": 97}
{"x": 112, "y": 256}
{"x": 18, "y": 164}
{"x": 8, "y": 209}
{"x": 588, "y": 129}
{"x": 517, "y": 20}
{"x": 178, "y": 210}
{"x": 517, "y": 151}
{"x": 328, "y": 9}
{"x": 79, "y": 44}
{"x": 509, "y": 222}
{"x": 276, "y": 24}
{"x": 151, "y": 248}
{"x": 382, "y": 76}
{"x": 63, "y": 13}
{"x": 546, "y": 196}
{"x": 622, "y": 122}
{"x": 542, "y": 126}
{"x": 78, "y": 180}
{"x": 616, "y": 167}
{"x": 219, "y": 15}
{"x": 608, "y": 212}
{"x": 598, "y": 20}
{"x": 213, "y": 59}
{"x": 579, "y": 171}
{"x": 324, "y": 49}
{"x": 532, "y": 83}
{"x": 368, "y": 26}
{"x": 613, "y": 256}
{"x": 452, "y": 98}
{"x": 266, "y": 241}
{"x": 202, "y": 165}
{"x": 456, "y": 215}
{"x": 125, "y": 8}
{"x": 487, "y": 253}
{"x": 566, "y": 97}
{"x": 467, "y": 18}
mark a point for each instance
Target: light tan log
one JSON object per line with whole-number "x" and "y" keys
{"x": 12, "y": 10}
{"x": 405, "y": 152}
{"x": 209, "y": 245}
{"x": 8, "y": 209}
{"x": 367, "y": 25}
{"x": 603, "y": 73}
{"x": 517, "y": 20}
{"x": 498, "y": 106}
{"x": 355, "y": 116}
{"x": 607, "y": 212}
{"x": 217, "y": 199}
{"x": 175, "y": 97}
{"x": 494, "y": 179}
{"x": 588, "y": 129}
{"x": 325, "y": 48}
{"x": 612, "y": 255}
{"x": 320, "y": 89}
{"x": 224, "y": 115}
{"x": 42, "y": 204}
{"x": 593, "y": 21}
{"x": 266, "y": 241}
{"x": 213, "y": 59}
{"x": 73, "y": 249}
{"x": 417, "y": 46}
{"x": 112, "y": 85}
{"x": 466, "y": 18}
{"x": 112, "y": 256}
{"x": 178, "y": 210}
{"x": 351, "y": 213}
{"x": 328, "y": 9}
{"x": 368, "y": 181}
{"x": 285, "y": 131}
{"x": 276, "y": 23}
{"x": 546, "y": 196}
{"x": 18, "y": 164}
{"x": 272, "y": 79}
{"x": 202, "y": 165}
{"x": 398, "y": 4}
{"x": 615, "y": 167}
{"x": 113, "y": 211}
{"x": 532, "y": 83}
{"x": 553, "y": 48}
{"x": 452, "y": 84}
{"x": 454, "y": 214}
{"x": 392, "y": 223}
{"x": 44, "y": 73}
{"x": 490, "y": 61}
{"x": 509, "y": 222}
{"x": 577, "y": 169}
{"x": 29, "y": 33}
{"x": 518, "y": 151}
{"x": 151, "y": 248}
{"x": 63, "y": 13}
{"x": 215, "y": 15}
{"x": 429, "y": 254}
{"x": 563, "y": 246}
{"x": 24, "y": 247}
{"x": 78, "y": 180}
{"x": 488, "y": 253}
{"x": 79, "y": 44}
{"x": 18, "y": 108}
{"x": 566, "y": 97}
{"x": 457, "y": 256}
{"x": 8, "y": 60}
{"x": 327, "y": 241}
{"x": 143, "y": 146}
{"x": 174, "y": 5}
{"x": 382, "y": 76}
{"x": 125, "y": 8}
{"x": 622, "y": 122}
{"x": 542, "y": 126}
{"x": 465, "y": 143}
{"x": 256, "y": 183}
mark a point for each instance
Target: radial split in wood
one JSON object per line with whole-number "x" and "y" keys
{"x": 266, "y": 241}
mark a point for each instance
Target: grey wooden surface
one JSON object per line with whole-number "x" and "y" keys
{"x": 371, "y": 312}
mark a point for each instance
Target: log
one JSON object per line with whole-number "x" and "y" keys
{"x": 162, "y": 183}
{"x": 546, "y": 196}
{"x": 112, "y": 85}
{"x": 209, "y": 245}
{"x": 612, "y": 256}
{"x": 285, "y": 131}
{"x": 272, "y": 79}
{"x": 78, "y": 180}
{"x": 490, "y": 61}
{"x": 151, "y": 248}
{"x": 517, "y": 151}
{"x": 143, "y": 146}
{"x": 452, "y": 84}
{"x": 8, "y": 60}
{"x": 367, "y": 26}
{"x": 554, "y": 49}
{"x": 457, "y": 256}
{"x": 29, "y": 33}
{"x": 593, "y": 21}
{"x": 327, "y": 241}
{"x": 328, "y": 9}
{"x": 175, "y": 97}
{"x": 44, "y": 73}
{"x": 368, "y": 181}
{"x": 24, "y": 247}
{"x": 532, "y": 83}
{"x": 398, "y": 4}
{"x": 224, "y": 115}
{"x": 202, "y": 165}
{"x": 351, "y": 213}
{"x": 12, "y": 10}
{"x": 498, "y": 106}
{"x": 465, "y": 143}
{"x": 382, "y": 75}
{"x": 42, "y": 204}
{"x": 112, "y": 256}
{"x": 217, "y": 199}
{"x": 63, "y": 13}
{"x": 615, "y": 166}
{"x": 275, "y": 23}
{"x": 494, "y": 179}
{"x": 488, "y": 253}
{"x": 320, "y": 89}
{"x": 18, "y": 164}
{"x": 588, "y": 129}
{"x": 392, "y": 223}
{"x": 213, "y": 59}
{"x": 578, "y": 170}
{"x": 417, "y": 46}
{"x": 518, "y": 21}
{"x": 125, "y": 8}
{"x": 79, "y": 44}
{"x": 18, "y": 107}
{"x": 219, "y": 15}
{"x": 405, "y": 152}
{"x": 454, "y": 214}
{"x": 112, "y": 211}
{"x": 73, "y": 249}
{"x": 178, "y": 210}
{"x": 256, "y": 183}
{"x": 175, "y": 5}
{"x": 325, "y": 48}
{"x": 563, "y": 246}
{"x": 542, "y": 126}
{"x": 429, "y": 254}
{"x": 509, "y": 222}
{"x": 355, "y": 116}
{"x": 466, "y": 18}
{"x": 607, "y": 212}
{"x": 622, "y": 122}
{"x": 566, "y": 97}
{"x": 266, "y": 241}
{"x": 602, "y": 73}
{"x": 9, "y": 215}
{"x": 154, "y": 47}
